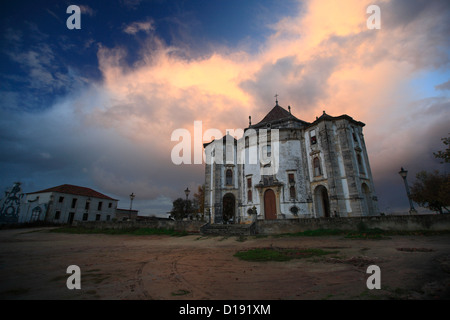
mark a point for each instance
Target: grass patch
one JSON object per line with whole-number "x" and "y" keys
{"x": 180, "y": 292}
{"x": 279, "y": 254}
{"x": 126, "y": 231}
{"x": 376, "y": 234}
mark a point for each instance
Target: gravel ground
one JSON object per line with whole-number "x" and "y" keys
{"x": 33, "y": 264}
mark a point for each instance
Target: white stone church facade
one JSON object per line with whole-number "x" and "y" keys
{"x": 287, "y": 168}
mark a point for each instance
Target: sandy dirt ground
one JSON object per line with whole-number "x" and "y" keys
{"x": 33, "y": 265}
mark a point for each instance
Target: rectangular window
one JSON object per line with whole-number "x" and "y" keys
{"x": 229, "y": 177}
{"x": 249, "y": 183}
{"x": 291, "y": 178}
{"x": 85, "y": 216}
{"x": 313, "y": 138}
{"x": 249, "y": 196}
{"x": 57, "y": 215}
{"x": 316, "y": 165}
{"x": 267, "y": 151}
{"x": 88, "y": 203}
{"x": 292, "y": 192}
{"x": 97, "y": 217}
{"x": 110, "y": 205}
{"x": 74, "y": 202}
{"x": 108, "y": 217}
{"x": 61, "y": 199}
{"x": 360, "y": 164}
{"x": 100, "y": 204}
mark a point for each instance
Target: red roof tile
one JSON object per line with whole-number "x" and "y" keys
{"x": 76, "y": 190}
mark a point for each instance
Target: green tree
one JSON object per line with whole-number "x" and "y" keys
{"x": 432, "y": 190}
{"x": 444, "y": 155}
{"x": 180, "y": 209}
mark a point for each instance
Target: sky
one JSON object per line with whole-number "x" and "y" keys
{"x": 97, "y": 106}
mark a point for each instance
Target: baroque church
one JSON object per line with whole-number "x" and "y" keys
{"x": 287, "y": 168}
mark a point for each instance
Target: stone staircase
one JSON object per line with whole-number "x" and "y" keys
{"x": 229, "y": 229}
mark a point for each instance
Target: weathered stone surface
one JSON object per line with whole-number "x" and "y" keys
{"x": 327, "y": 160}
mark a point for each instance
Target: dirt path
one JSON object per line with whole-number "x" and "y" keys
{"x": 33, "y": 265}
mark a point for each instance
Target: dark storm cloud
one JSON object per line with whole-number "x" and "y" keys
{"x": 300, "y": 85}
{"x": 443, "y": 86}
{"x": 425, "y": 27}
{"x": 400, "y": 13}
{"x": 414, "y": 152}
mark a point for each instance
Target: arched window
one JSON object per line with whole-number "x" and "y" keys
{"x": 316, "y": 165}
{"x": 35, "y": 213}
{"x": 229, "y": 177}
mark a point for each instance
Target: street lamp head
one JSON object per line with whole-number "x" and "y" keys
{"x": 403, "y": 173}
{"x": 187, "y": 191}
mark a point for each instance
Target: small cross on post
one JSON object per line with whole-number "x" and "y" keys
{"x": 276, "y": 98}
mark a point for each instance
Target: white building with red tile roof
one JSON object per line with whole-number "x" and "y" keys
{"x": 67, "y": 203}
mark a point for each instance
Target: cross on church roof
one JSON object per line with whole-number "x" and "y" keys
{"x": 276, "y": 98}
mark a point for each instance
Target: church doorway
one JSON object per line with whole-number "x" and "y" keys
{"x": 322, "y": 202}
{"x": 270, "y": 210}
{"x": 229, "y": 209}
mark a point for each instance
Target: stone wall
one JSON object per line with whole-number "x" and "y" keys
{"x": 269, "y": 227}
{"x": 394, "y": 223}
{"x": 188, "y": 226}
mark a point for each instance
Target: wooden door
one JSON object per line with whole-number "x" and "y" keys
{"x": 270, "y": 210}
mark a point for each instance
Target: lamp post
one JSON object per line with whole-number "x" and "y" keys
{"x": 186, "y": 192}
{"x": 403, "y": 173}
{"x": 132, "y": 195}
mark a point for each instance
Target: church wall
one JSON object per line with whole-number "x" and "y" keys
{"x": 216, "y": 186}
{"x": 291, "y": 162}
{"x": 335, "y": 143}
{"x": 250, "y": 168}
{"x": 337, "y": 152}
